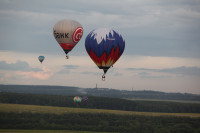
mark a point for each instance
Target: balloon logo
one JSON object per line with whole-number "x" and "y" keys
{"x": 78, "y": 33}
{"x": 104, "y": 46}
{"x": 67, "y": 33}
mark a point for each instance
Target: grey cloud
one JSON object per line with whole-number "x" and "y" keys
{"x": 63, "y": 71}
{"x": 1, "y": 75}
{"x": 141, "y": 69}
{"x": 150, "y": 75}
{"x": 150, "y": 27}
{"x": 67, "y": 69}
{"x": 71, "y": 67}
{"x": 91, "y": 73}
{"x": 144, "y": 73}
{"x": 18, "y": 66}
{"x": 114, "y": 72}
{"x": 183, "y": 70}
{"x": 117, "y": 74}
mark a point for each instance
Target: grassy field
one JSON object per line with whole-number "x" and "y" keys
{"x": 44, "y": 131}
{"x": 19, "y": 108}
{"x": 162, "y": 100}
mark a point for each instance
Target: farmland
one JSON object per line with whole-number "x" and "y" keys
{"x": 33, "y": 118}
{"x": 20, "y": 108}
{"x": 46, "y": 113}
{"x": 44, "y": 131}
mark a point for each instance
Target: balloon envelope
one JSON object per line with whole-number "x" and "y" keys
{"x": 67, "y": 33}
{"x": 85, "y": 100}
{"x": 77, "y": 99}
{"x": 104, "y": 46}
{"x": 41, "y": 58}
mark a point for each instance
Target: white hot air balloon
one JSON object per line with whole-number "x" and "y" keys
{"x": 67, "y": 33}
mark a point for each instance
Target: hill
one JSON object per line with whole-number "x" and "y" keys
{"x": 103, "y": 92}
{"x": 21, "y": 108}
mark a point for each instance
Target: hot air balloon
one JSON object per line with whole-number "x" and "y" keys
{"x": 104, "y": 46}
{"x": 77, "y": 99}
{"x": 67, "y": 33}
{"x": 84, "y": 99}
{"x": 41, "y": 58}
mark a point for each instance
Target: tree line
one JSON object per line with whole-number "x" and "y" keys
{"x": 105, "y": 92}
{"x": 101, "y": 103}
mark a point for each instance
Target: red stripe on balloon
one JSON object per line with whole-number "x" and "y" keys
{"x": 67, "y": 45}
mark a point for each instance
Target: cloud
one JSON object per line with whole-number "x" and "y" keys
{"x": 91, "y": 73}
{"x": 67, "y": 69}
{"x": 18, "y": 66}
{"x": 115, "y": 72}
{"x": 43, "y": 75}
{"x": 195, "y": 71}
{"x": 152, "y": 75}
{"x": 183, "y": 70}
{"x": 63, "y": 71}
{"x": 25, "y": 76}
{"x": 32, "y": 17}
{"x": 154, "y": 13}
{"x": 152, "y": 28}
{"x": 144, "y": 73}
{"x": 71, "y": 67}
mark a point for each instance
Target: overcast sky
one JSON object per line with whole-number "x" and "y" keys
{"x": 162, "y": 49}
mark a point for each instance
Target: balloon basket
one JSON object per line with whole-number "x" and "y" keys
{"x": 103, "y": 78}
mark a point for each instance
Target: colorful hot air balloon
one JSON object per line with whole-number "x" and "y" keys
{"x": 104, "y": 46}
{"x": 41, "y": 58}
{"x": 77, "y": 99}
{"x": 84, "y": 99}
{"x": 67, "y": 33}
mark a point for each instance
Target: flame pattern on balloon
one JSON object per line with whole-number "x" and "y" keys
{"x": 104, "y": 46}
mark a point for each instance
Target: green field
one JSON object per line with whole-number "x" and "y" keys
{"x": 15, "y": 118}
{"x": 44, "y": 131}
{"x": 162, "y": 100}
{"x": 20, "y": 108}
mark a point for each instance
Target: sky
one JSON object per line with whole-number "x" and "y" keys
{"x": 162, "y": 44}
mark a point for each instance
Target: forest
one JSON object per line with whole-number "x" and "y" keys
{"x": 101, "y": 103}
{"x": 99, "y": 122}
